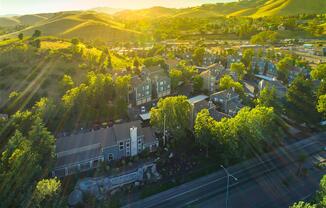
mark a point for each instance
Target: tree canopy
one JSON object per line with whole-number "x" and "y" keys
{"x": 177, "y": 112}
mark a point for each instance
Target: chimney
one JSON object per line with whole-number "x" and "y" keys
{"x": 133, "y": 141}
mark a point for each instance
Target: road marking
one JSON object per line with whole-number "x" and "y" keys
{"x": 278, "y": 151}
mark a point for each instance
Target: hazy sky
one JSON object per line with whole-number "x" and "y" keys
{"x": 37, "y": 6}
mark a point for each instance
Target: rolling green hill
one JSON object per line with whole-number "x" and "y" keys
{"x": 30, "y": 19}
{"x": 85, "y": 25}
{"x": 254, "y": 8}
{"x": 92, "y": 25}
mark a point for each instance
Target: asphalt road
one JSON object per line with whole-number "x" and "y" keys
{"x": 255, "y": 184}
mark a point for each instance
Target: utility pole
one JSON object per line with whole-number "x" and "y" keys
{"x": 164, "y": 136}
{"x": 228, "y": 175}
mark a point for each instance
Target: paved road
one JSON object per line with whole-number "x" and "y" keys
{"x": 206, "y": 190}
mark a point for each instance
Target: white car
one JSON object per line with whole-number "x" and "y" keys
{"x": 143, "y": 109}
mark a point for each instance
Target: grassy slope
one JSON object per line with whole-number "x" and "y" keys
{"x": 290, "y": 7}
{"x": 255, "y": 8}
{"x": 21, "y": 20}
{"x": 85, "y": 25}
{"x": 22, "y": 76}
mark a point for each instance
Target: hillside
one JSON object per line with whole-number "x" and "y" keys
{"x": 107, "y": 10}
{"x": 154, "y": 12}
{"x": 21, "y": 64}
{"x": 85, "y": 25}
{"x": 21, "y": 20}
{"x": 254, "y": 8}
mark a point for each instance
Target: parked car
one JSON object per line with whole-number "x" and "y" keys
{"x": 143, "y": 109}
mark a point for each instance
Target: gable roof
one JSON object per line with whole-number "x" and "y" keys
{"x": 103, "y": 137}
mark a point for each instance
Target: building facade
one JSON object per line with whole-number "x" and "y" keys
{"x": 84, "y": 151}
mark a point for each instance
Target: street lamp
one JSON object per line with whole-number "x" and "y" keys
{"x": 227, "y": 184}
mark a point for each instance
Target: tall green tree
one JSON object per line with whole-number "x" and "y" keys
{"x": 176, "y": 77}
{"x": 321, "y": 106}
{"x": 283, "y": 69}
{"x": 240, "y": 69}
{"x": 268, "y": 98}
{"x": 204, "y": 129}
{"x": 197, "y": 83}
{"x": 176, "y": 111}
{"x": 198, "y": 56}
{"x": 21, "y": 36}
{"x": 301, "y": 100}
{"x": 36, "y": 34}
{"x": 247, "y": 56}
{"x": 227, "y": 83}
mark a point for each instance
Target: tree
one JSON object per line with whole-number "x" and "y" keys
{"x": 187, "y": 71}
{"x": 198, "y": 83}
{"x": 177, "y": 111}
{"x": 301, "y": 100}
{"x": 321, "y": 106}
{"x": 204, "y": 127}
{"x": 46, "y": 193}
{"x": 247, "y": 56}
{"x": 265, "y": 37}
{"x": 320, "y": 197}
{"x": 122, "y": 84}
{"x": 176, "y": 77}
{"x": 67, "y": 83}
{"x": 283, "y": 69}
{"x": 21, "y": 36}
{"x": 319, "y": 72}
{"x": 43, "y": 142}
{"x": 239, "y": 69}
{"x": 244, "y": 135}
{"x": 198, "y": 56}
{"x": 21, "y": 169}
{"x": 36, "y": 34}
{"x": 75, "y": 41}
{"x": 227, "y": 83}
{"x": 302, "y": 204}
{"x": 268, "y": 97}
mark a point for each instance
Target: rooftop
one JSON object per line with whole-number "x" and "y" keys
{"x": 197, "y": 98}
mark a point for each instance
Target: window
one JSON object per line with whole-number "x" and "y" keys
{"x": 121, "y": 146}
{"x": 110, "y": 157}
{"x": 147, "y": 87}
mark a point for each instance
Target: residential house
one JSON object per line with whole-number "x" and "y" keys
{"x": 264, "y": 67}
{"x": 197, "y": 104}
{"x": 273, "y": 83}
{"x": 172, "y": 63}
{"x": 228, "y": 100}
{"x": 84, "y": 151}
{"x": 232, "y": 59}
{"x": 209, "y": 59}
{"x": 161, "y": 82}
{"x": 141, "y": 90}
{"x": 153, "y": 82}
{"x": 211, "y": 76}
